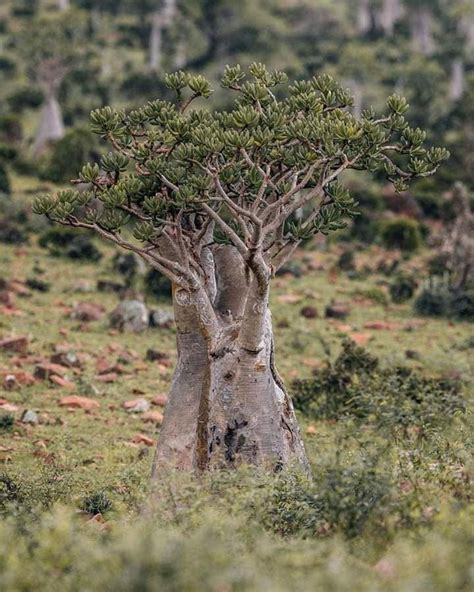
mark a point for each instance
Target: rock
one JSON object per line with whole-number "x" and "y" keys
{"x": 289, "y": 298}
{"x": 381, "y": 325}
{"x": 18, "y": 345}
{"x": 155, "y": 417}
{"x": 161, "y": 318}
{"x": 109, "y": 286}
{"x": 75, "y": 402}
{"x": 311, "y": 430}
{"x": 67, "y": 358}
{"x": 160, "y": 400}
{"x": 62, "y": 382}
{"x": 337, "y": 310}
{"x": 14, "y": 379}
{"x": 7, "y": 298}
{"x": 130, "y": 316}
{"x": 29, "y": 416}
{"x": 360, "y": 338}
{"x": 87, "y": 312}
{"x": 137, "y": 406}
{"x": 153, "y": 355}
{"x": 412, "y": 354}
{"x": 83, "y": 287}
{"x": 6, "y": 406}
{"x": 107, "y": 377}
{"x": 309, "y": 312}
{"x": 47, "y": 370}
{"x": 142, "y": 439}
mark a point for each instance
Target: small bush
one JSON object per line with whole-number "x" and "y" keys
{"x": 403, "y": 288}
{"x": 96, "y": 503}
{"x": 68, "y": 155}
{"x": 64, "y": 242}
{"x": 354, "y": 386}
{"x": 346, "y": 261}
{"x": 439, "y": 299}
{"x": 7, "y": 421}
{"x": 11, "y": 129}
{"x": 157, "y": 285}
{"x": 4, "y": 180}
{"x": 402, "y": 233}
{"x": 27, "y": 97}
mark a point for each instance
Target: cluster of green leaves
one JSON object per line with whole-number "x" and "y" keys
{"x": 168, "y": 156}
{"x": 354, "y": 386}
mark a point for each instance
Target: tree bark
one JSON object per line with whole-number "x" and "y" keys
{"x": 227, "y": 405}
{"x": 51, "y": 125}
{"x": 457, "y": 81}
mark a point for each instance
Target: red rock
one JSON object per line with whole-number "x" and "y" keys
{"x": 137, "y": 405}
{"x": 6, "y": 406}
{"x": 344, "y": 328}
{"x": 75, "y": 402}
{"x": 360, "y": 338}
{"x": 15, "y": 344}
{"x": 313, "y": 363}
{"x": 19, "y": 288}
{"x": 47, "y": 369}
{"x": 153, "y": 417}
{"x": 289, "y": 298}
{"x": 62, "y": 382}
{"x": 159, "y": 400}
{"x": 16, "y": 378}
{"x": 381, "y": 325}
{"x": 311, "y": 430}
{"x": 142, "y": 439}
{"x": 110, "y": 377}
{"x": 385, "y": 568}
{"x": 7, "y": 298}
{"x": 10, "y": 311}
{"x": 88, "y": 311}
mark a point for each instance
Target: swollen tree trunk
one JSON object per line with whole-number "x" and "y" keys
{"x": 63, "y": 4}
{"x": 228, "y": 405}
{"x": 389, "y": 14}
{"x": 456, "y": 84}
{"x": 51, "y": 126}
{"x": 422, "y": 30}
{"x": 160, "y": 21}
{"x": 364, "y": 17}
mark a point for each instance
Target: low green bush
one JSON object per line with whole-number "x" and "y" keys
{"x": 96, "y": 503}
{"x": 402, "y": 233}
{"x": 355, "y": 386}
{"x": 403, "y": 288}
{"x": 7, "y": 421}
{"x": 157, "y": 285}
{"x": 65, "y": 242}
{"x": 439, "y": 299}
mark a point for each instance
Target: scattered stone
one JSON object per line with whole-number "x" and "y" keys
{"x": 67, "y": 358}
{"x": 7, "y": 298}
{"x": 62, "y": 382}
{"x": 381, "y": 325}
{"x": 161, "y": 318}
{"x": 290, "y": 298}
{"x": 412, "y": 354}
{"x": 75, "y": 402}
{"x": 29, "y": 416}
{"x": 109, "y": 286}
{"x": 309, "y": 312}
{"x": 83, "y": 287}
{"x": 18, "y": 345}
{"x": 137, "y": 406}
{"x": 6, "y": 406}
{"x": 107, "y": 377}
{"x": 130, "y": 316}
{"x": 155, "y": 417}
{"x": 160, "y": 400}
{"x": 360, "y": 338}
{"x": 15, "y": 379}
{"x": 142, "y": 439}
{"x": 343, "y": 328}
{"x": 311, "y": 430}
{"x": 46, "y": 370}
{"x": 87, "y": 311}
{"x": 153, "y": 355}
{"x": 337, "y": 310}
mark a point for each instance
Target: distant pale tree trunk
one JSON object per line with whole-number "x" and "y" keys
{"x": 364, "y": 16}
{"x": 357, "y": 107}
{"x": 161, "y": 20}
{"x": 49, "y": 75}
{"x": 422, "y": 29}
{"x": 180, "y": 57}
{"x": 466, "y": 25}
{"x": 63, "y": 4}
{"x": 457, "y": 82}
{"x": 51, "y": 126}
{"x": 389, "y": 14}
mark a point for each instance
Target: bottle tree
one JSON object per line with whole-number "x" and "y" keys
{"x": 208, "y": 199}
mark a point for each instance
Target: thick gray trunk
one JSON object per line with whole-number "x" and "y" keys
{"x": 456, "y": 84}
{"x": 51, "y": 126}
{"x": 63, "y": 4}
{"x": 160, "y": 21}
{"x": 227, "y": 405}
{"x": 389, "y": 14}
{"x": 422, "y": 30}
{"x": 364, "y": 17}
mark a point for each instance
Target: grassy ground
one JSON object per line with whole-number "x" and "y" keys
{"x": 227, "y": 532}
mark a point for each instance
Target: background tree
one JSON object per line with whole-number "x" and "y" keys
{"x": 209, "y": 199}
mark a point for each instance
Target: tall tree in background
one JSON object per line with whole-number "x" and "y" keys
{"x": 50, "y": 47}
{"x": 210, "y": 198}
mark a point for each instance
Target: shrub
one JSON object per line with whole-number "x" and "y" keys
{"x": 64, "y": 242}
{"x": 403, "y": 288}
{"x": 11, "y": 129}
{"x": 27, "y": 97}
{"x": 96, "y": 503}
{"x": 354, "y": 386}
{"x": 402, "y": 233}
{"x": 439, "y": 299}
{"x": 7, "y": 421}
{"x": 346, "y": 261}
{"x": 68, "y": 155}
{"x": 4, "y": 180}
{"x": 157, "y": 285}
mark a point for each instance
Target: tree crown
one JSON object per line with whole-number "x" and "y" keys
{"x": 239, "y": 175}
